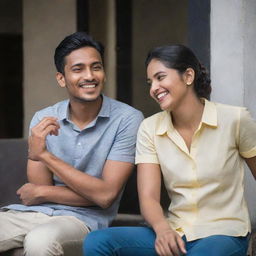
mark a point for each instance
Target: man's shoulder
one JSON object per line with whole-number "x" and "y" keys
{"x": 122, "y": 109}
{"x": 55, "y": 110}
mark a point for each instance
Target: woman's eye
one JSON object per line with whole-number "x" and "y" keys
{"x": 159, "y": 78}
{"x": 148, "y": 83}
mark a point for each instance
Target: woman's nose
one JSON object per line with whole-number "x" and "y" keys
{"x": 154, "y": 87}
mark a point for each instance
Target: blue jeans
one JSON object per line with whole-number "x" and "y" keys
{"x": 139, "y": 241}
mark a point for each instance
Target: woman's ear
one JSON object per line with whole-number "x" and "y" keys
{"x": 61, "y": 79}
{"x": 189, "y": 76}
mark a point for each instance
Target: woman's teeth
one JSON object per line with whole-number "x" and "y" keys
{"x": 161, "y": 95}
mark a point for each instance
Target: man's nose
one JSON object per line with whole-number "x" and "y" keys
{"x": 88, "y": 74}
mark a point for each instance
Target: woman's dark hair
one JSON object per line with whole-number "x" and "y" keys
{"x": 180, "y": 57}
{"x": 73, "y": 42}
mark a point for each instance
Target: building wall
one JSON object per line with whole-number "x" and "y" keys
{"x": 233, "y": 62}
{"x": 153, "y": 25}
{"x": 45, "y": 23}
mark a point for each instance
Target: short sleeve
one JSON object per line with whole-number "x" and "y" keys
{"x": 35, "y": 120}
{"x": 123, "y": 148}
{"x": 145, "y": 148}
{"x": 247, "y": 134}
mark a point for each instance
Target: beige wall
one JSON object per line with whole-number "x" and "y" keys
{"x": 153, "y": 25}
{"x": 45, "y": 23}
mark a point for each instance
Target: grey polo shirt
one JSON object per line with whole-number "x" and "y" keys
{"x": 112, "y": 135}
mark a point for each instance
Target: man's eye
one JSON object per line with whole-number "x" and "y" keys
{"x": 97, "y": 68}
{"x": 76, "y": 69}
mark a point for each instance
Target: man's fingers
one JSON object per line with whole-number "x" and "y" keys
{"x": 45, "y": 122}
{"x": 51, "y": 129}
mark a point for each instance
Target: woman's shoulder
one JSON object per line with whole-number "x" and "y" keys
{"x": 228, "y": 109}
{"x": 155, "y": 118}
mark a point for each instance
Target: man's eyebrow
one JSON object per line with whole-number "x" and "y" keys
{"x": 97, "y": 63}
{"x": 77, "y": 64}
{"x": 92, "y": 64}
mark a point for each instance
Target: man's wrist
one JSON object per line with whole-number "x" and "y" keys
{"x": 44, "y": 156}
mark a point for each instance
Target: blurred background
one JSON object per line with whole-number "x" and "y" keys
{"x": 222, "y": 34}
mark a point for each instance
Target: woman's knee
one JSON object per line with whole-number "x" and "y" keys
{"x": 98, "y": 243}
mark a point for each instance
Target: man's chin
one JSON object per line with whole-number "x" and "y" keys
{"x": 88, "y": 99}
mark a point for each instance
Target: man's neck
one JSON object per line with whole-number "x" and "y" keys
{"x": 82, "y": 113}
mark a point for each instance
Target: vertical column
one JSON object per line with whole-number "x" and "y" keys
{"x": 111, "y": 50}
{"x": 102, "y": 27}
{"x": 233, "y": 62}
{"x": 199, "y": 29}
{"x": 45, "y": 24}
{"x": 227, "y": 58}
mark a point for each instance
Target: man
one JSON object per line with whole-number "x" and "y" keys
{"x": 81, "y": 152}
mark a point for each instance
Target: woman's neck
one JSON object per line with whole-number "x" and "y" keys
{"x": 189, "y": 114}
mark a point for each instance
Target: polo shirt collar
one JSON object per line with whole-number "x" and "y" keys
{"x": 210, "y": 114}
{"x": 104, "y": 111}
{"x": 209, "y": 118}
{"x": 105, "y": 107}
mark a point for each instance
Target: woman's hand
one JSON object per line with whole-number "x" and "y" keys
{"x": 169, "y": 243}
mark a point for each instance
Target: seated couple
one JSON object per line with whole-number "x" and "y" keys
{"x": 81, "y": 154}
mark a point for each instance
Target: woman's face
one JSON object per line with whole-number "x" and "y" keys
{"x": 167, "y": 87}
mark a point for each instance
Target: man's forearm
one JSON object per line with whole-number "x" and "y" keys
{"x": 101, "y": 191}
{"x": 62, "y": 195}
{"x": 83, "y": 184}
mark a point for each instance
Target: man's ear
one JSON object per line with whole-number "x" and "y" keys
{"x": 61, "y": 79}
{"x": 189, "y": 76}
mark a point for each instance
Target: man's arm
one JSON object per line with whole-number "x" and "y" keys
{"x": 101, "y": 191}
{"x": 38, "y": 173}
{"x": 40, "y": 188}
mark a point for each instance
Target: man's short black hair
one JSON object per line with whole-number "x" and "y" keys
{"x": 73, "y": 42}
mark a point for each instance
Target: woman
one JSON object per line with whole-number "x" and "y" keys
{"x": 199, "y": 147}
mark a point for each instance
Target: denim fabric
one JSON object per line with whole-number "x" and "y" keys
{"x": 128, "y": 241}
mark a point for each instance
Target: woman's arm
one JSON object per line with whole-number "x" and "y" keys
{"x": 251, "y": 162}
{"x": 168, "y": 242}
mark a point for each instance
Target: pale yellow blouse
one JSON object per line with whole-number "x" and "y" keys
{"x": 205, "y": 184}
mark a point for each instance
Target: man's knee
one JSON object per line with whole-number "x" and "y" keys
{"x": 41, "y": 245}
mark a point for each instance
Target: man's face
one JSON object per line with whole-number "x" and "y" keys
{"x": 84, "y": 75}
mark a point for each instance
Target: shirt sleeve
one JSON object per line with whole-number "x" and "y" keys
{"x": 35, "y": 120}
{"x": 145, "y": 149}
{"x": 247, "y": 134}
{"x": 123, "y": 148}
